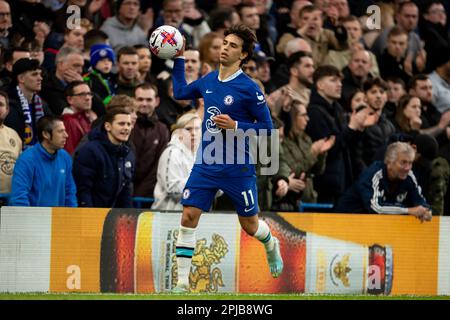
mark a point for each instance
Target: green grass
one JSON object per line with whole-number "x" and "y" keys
{"x": 223, "y": 296}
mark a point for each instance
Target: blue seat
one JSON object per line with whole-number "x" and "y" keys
{"x": 313, "y": 206}
{"x": 139, "y": 201}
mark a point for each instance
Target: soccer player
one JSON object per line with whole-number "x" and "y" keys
{"x": 233, "y": 102}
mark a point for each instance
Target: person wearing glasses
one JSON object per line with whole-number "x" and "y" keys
{"x": 78, "y": 116}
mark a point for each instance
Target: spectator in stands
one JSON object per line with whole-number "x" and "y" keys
{"x": 191, "y": 64}
{"x": 10, "y": 56}
{"x": 93, "y": 37}
{"x": 355, "y": 74}
{"x": 10, "y": 147}
{"x": 222, "y": 18}
{"x": 300, "y": 161}
{"x": 43, "y": 174}
{"x": 388, "y": 188}
{"x": 340, "y": 59}
{"x": 69, "y": 67}
{"x": 250, "y": 17}
{"x": 150, "y": 137}
{"x": 145, "y": 64}
{"x": 26, "y": 105}
{"x": 393, "y": 60}
{"x": 78, "y": 116}
{"x": 433, "y": 122}
{"x": 281, "y": 74}
{"x": 30, "y": 20}
{"x": 327, "y": 119}
{"x": 407, "y": 18}
{"x": 301, "y": 69}
{"x": 36, "y": 50}
{"x": 408, "y": 115}
{"x": 103, "y": 167}
{"x": 209, "y": 49}
{"x": 100, "y": 78}
{"x": 432, "y": 172}
{"x": 5, "y": 23}
{"x": 440, "y": 78}
{"x": 194, "y": 21}
{"x": 396, "y": 90}
{"x": 321, "y": 40}
{"x": 434, "y": 31}
{"x": 73, "y": 38}
{"x": 263, "y": 69}
{"x": 379, "y": 127}
{"x": 289, "y": 31}
{"x": 127, "y": 77}
{"x": 176, "y": 162}
{"x": 123, "y": 29}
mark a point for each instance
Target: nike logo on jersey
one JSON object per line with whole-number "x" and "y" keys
{"x": 247, "y": 210}
{"x": 208, "y": 91}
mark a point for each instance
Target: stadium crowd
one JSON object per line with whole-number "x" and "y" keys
{"x": 88, "y": 117}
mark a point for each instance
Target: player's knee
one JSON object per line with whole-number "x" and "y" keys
{"x": 249, "y": 227}
{"x": 190, "y": 217}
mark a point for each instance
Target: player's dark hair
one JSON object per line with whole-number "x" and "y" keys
{"x": 248, "y": 39}
{"x": 70, "y": 89}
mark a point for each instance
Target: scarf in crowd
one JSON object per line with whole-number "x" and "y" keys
{"x": 31, "y": 117}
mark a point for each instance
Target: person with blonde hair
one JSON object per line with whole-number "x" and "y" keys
{"x": 176, "y": 162}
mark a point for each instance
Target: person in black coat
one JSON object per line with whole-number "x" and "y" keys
{"x": 103, "y": 167}
{"x": 327, "y": 118}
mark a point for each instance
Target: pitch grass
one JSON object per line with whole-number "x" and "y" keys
{"x": 223, "y": 296}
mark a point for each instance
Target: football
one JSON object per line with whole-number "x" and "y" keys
{"x": 165, "y": 42}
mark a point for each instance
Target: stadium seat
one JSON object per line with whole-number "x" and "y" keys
{"x": 315, "y": 207}
{"x": 138, "y": 202}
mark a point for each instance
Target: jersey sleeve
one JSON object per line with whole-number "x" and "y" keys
{"x": 260, "y": 112}
{"x": 182, "y": 90}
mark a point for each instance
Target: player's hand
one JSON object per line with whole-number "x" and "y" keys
{"x": 282, "y": 188}
{"x": 223, "y": 121}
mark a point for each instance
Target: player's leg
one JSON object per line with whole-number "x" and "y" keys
{"x": 244, "y": 194}
{"x": 260, "y": 230}
{"x": 185, "y": 245}
{"x": 198, "y": 195}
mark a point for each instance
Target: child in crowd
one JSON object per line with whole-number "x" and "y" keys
{"x": 100, "y": 77}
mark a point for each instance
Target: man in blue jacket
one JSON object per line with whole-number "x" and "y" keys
{"x": 42, "y": 176}
{"x": 389, "y": 187}
{"x": 103, "y": 167}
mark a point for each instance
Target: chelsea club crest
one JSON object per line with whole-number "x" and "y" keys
{"x": 228, "y": 100}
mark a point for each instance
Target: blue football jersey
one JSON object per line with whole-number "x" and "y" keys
{"x": 222, "y": 152}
